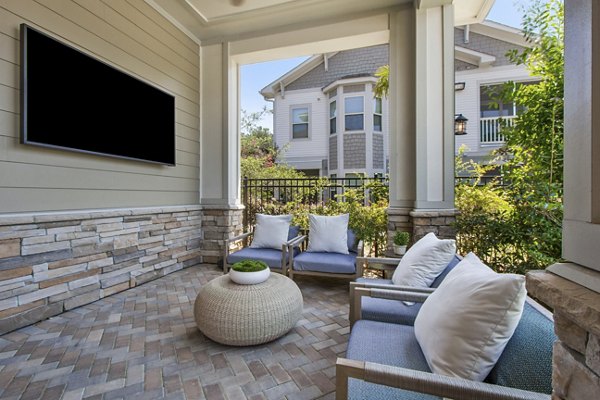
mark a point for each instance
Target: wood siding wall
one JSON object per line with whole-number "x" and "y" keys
{"x": 133, "y": 37}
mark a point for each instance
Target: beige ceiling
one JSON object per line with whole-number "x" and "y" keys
{"x": 214, "y": 20}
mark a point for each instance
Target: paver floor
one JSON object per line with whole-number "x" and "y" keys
{"x": 144, "y": 343}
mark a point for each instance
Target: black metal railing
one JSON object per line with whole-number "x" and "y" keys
{"x": 275, "y": 194}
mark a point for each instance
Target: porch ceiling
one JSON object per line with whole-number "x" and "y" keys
{"x": 214, "y": 20}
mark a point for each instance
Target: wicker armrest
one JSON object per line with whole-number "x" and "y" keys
{"x": 390, "y": 292}
{"x": 424, "y": 382}
{"x": 297, "y": 241}
{"x": 238, "y": 238}
{"x": 381, "y": 260}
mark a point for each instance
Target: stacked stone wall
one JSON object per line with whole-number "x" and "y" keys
{"x": 50, "y": 263}
{"x": 576, "y": 355}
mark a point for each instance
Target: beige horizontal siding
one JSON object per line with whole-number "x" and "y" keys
{"x": 134, "y": 38}
{"x": 28, "y": 199}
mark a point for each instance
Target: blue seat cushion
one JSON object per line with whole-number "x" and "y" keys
{"x": 293, "y": 232}
{"x": 352, "y": 241}
{"x": 393, "y": 311}
{"x": 271, "y": 257}
{"x": 389, "y": 344}
{"x": 385, "y": 310}
{"x": 526, "y": 362}
{"x": 334, "y": 263}
{"x": 436, "y": 282}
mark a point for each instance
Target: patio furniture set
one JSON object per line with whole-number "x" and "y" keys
{"x": 442, "y": 326}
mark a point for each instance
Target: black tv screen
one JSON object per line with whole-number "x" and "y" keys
{"x": 72, "y": 101}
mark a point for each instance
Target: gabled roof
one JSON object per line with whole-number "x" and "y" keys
{"x": 487, "y": 28}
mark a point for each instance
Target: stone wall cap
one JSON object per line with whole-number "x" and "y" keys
{"x": 433, "y": 213}
{"x": 222, "y": 207}
{"x": 73, "y": 215}
{"x": 578, "y": 303}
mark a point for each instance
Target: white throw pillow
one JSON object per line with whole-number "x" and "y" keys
{"x": 328, "y": 234}
{"x": 424, "y": 261}
{"x": 271, "y": 231}
{"x": 465, "y": 324}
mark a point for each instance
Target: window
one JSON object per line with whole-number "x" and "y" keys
{"x": 354, "y": 118}
{"x": 332, "y": 117}
{"x": 377, "y": 121}
{"x": 300, "y": 123}
{"x": 491, "y": 106}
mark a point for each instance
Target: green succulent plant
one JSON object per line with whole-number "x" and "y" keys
{"x": 401, "y": 238}
{"x": 249, "y": 266}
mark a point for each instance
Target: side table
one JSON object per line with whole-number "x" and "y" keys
{"x": 244, "y": 315}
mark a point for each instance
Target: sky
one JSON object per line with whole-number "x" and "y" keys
{"x": 254, "y": 77}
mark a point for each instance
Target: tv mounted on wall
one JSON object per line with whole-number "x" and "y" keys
{"x": 72, "y": 101}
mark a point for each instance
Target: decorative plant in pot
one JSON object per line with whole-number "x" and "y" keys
{"x": 400, "y": 241}
{"x": 249, "y": 272}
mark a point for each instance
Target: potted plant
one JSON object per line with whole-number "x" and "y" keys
{"x": 249, "y": 272}
{"x": 400, "y": 241}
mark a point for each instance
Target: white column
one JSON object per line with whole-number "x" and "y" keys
{"x": 401, "y": 98}
{"x": 421, "y": 102}
{"x": 581, "y": 224}
{"x": 434, "y": 114}
{"x": 220, "y": 143}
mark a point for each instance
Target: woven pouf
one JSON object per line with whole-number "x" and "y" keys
{"x": 243, "y": 315}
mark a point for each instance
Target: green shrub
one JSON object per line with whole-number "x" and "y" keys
{"x": 401, "y": 238}
{"x": 249, "y": 266}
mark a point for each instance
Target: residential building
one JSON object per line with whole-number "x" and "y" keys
{"x": 345, "y": 129}
{"x": 77, "y": 227}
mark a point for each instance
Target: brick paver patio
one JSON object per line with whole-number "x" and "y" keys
{"x": 144, "y": 343}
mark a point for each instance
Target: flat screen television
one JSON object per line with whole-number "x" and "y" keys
{"x": 72, "y": 101}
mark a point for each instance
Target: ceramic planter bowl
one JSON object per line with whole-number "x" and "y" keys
{"x": 249, "y": 278}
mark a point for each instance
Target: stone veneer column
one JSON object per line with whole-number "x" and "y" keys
{"x": 398, "y": 220}
{"x": 219, "y": 224}
{"x": 576, "y": 357}
{"x": 439, "y": 222}
{"x": 419, "y": 223}
{"x": 53, "y": 262}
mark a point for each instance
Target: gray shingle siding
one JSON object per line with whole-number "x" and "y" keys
{"x": 487, "y": 45}
{"x": 354, "y": 150}
{"x": 462, "y": 66}
{"x": 333, "y": 153}
{"x": 377, "y": 150}
{"x": 365, "y": 60}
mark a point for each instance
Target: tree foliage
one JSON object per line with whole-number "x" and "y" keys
{"x": 258, "y": 150}
{"x": 527, "y": 233}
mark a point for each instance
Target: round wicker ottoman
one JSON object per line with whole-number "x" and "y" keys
{"x": 243, "y": 315}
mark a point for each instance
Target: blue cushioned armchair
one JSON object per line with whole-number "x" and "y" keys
{"x": 384, "y": 361}
{"x": 277, "y": 260}
{"x": 325, "y": 264}
{"x": 383, "y": 309}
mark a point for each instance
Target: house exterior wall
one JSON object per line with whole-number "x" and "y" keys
{"x": 487, "y": 45}
{"x": 40, "y": 179}
{"x": 74, "y": 227}
{"x": 365, "y": 61}
{"x": 467, "y": 102}
{"x": 302, "y": 153}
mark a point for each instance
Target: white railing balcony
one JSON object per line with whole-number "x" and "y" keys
{"x": 490, "y": 129}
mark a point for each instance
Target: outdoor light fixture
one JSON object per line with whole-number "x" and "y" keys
{"x": 460, "y": 125}
{"x": 459, "y": 86}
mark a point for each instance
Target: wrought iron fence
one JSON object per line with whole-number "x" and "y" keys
{"x": 274, "y": 194}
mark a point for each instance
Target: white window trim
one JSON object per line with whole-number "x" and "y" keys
{"x": 376, "y": 113}
{"x": 337, "y": 116}
{"x": 355, "y": 94}
{"x": 291, "y": 124}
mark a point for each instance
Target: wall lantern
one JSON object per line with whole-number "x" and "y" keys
{"x": 459, "y": 86}
{"x": 460, "y": 125}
